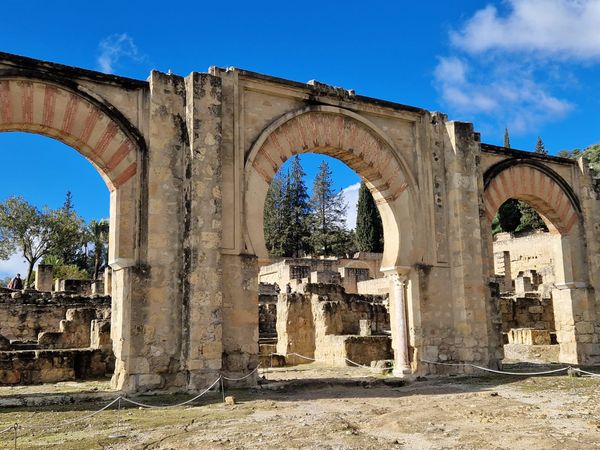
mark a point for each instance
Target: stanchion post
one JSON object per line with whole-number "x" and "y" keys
{"x": 222, "y": 389}
{"x": 15, "y": 431}
{"x": 119, "y": 416}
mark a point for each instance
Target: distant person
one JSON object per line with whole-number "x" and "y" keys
{"x": 16, "y": 283}
{"x": 288, "y": 288}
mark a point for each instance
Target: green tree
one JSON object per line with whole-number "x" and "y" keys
{"x": 345, "y": 244}
{"x": 591, "y": 153}
{"x": 297, "y": 231}
{"x": 530, "y": 219}
{"x": 275, "y": 212}
{"x": 540, "y": 147}
{"x": 33, "y": 232}
{"x": 329, "y": 212}
{"x": 369, "y": 229}
{"x": 509, "y": 215}
{"x": 506, "y": 138}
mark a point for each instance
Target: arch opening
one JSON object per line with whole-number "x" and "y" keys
{"x": 538, "y": 271}
{"x": 96, "y": 130}
{"x": 357, "y": 143}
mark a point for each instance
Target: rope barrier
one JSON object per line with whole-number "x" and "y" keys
{"x": 382, "y": 369}
{"x": 73, "y": 421}
{"x": 562, "y": 369}
{"x": 144, "y": 405}
{"x": 12, "y": 427}
{"x": 296, "y": 354}
{"x": 220, "y": 379}
{"x": 242, "y": 378}
{"x": 588, "y": 373}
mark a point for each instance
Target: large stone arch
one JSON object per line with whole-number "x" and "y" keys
{"x": 96, "y": 130}
{"x": 536, "y": 184}
{"x": 555, "y": 200}
{"x": 350, "y": 138}
{"x": 83, "y": 120}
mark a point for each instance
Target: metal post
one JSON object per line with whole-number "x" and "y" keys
{"x": 223, "y": 389}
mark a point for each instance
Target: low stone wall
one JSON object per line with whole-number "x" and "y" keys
{"x": 378, "y": 286}
{"x": 23, "y": 315}
{"x": 340, "y": 313}
{"x": 337, "y": 350}
{"x": 51, "y": 366}
{"x": 524, "y": 312}
{"x": 324, "y": 323}
{"x": 528, "y": 251}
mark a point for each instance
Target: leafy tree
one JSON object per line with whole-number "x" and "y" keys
{"x": 329, "y": 212}
{"x": 591, "y": 153}
{"x": 506, "y": 138}
{"x": 344, "y": 244}
{"x": 530, "y": 219}
{"x": 369, "y": 229}
{"x": 540, "y": 147}
{"x": 33, "y": 232}
{"x": 65, "y": 271}
{"x": 509, "y": 215}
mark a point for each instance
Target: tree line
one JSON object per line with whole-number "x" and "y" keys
{"x": 297, "y": 224}
{"x": 59, "y": 237}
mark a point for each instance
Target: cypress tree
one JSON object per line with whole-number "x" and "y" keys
{"x": 369, "y": 229}
{"x": 297, "y": 222}
{"x": 286, "y": 217}
{"x": 274, "y": 216}
{"x": 328, "y": 214}
{"x": 506, "y": 138}
{"x": 540, "y": 147}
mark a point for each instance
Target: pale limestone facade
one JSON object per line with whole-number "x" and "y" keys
{"x": 188, "y": 162}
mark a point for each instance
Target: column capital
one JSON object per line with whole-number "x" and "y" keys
{"x": 397, "y": 274}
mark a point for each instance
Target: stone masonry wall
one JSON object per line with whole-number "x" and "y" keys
{"x": 533, "y": 251}
{"x": 527, "y": 313}
{"x": 27, "y": 315}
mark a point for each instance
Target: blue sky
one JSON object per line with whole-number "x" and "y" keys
{"x": 530, "y": 65}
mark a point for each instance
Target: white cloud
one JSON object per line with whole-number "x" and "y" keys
{"x": 507, "y": 92}
{"x": 15, "y": 264}
{"x": 555, "y": 28}
{"x": 350, "y": 195}
{"x": 115, "y": 47}
{"x": 511, "y": 65}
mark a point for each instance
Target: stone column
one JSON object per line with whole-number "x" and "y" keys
{"x": 398, "y": 280}
{"x": 108, "y": 281}
{"x": 43, "y": 277}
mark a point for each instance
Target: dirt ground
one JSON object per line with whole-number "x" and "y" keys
{"x": 326, "y": 409}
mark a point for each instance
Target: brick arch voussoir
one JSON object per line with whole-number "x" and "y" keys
{"x": 49, "y": 109}
{"x": 339, "y": 136}
{"x": 547, "y": 196}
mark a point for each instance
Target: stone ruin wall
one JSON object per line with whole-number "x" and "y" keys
{"x": 533, "y": 251}
{"x": 46, "y": 338}
{"x": 527, "y": 313}
{"x": 324, "y": 323}
{"x": 24, "y": 315}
